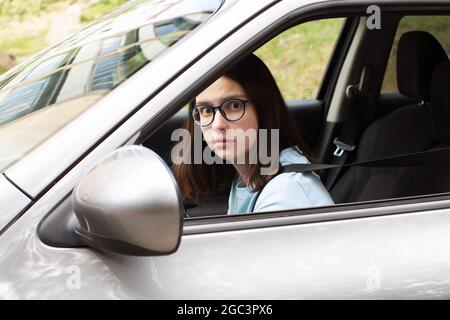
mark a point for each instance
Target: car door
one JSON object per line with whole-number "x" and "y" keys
{"x": 32, "y": 164}
{"x": 386, "y": 249}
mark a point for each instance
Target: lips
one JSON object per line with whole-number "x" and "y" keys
{"x": 222, "y": 143}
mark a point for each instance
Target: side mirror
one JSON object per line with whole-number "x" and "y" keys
{"x": 129, "y": 203}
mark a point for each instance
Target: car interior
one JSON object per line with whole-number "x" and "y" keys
{"x": 410, "y": 119}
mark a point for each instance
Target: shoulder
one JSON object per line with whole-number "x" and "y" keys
{"x": 292, "y": 190}
{"x": 292, "y": 155}
{"x": 286, "y": 185}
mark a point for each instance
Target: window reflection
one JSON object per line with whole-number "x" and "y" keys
{"x": 90, "y": 64}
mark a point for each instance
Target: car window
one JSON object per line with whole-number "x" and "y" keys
{"x": 438, "y": 26}
{"x": 43, "y": 94}
{"x": 298, "y": 57}
{"x": 376, "y": 140}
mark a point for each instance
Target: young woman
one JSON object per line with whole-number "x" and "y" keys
{"x": 243, "y": 99}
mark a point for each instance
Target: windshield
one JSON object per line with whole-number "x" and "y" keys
{"x": 45, "y": 93}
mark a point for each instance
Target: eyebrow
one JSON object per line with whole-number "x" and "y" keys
{"x": 234, "y": 96}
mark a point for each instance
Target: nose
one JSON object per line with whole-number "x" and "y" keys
{"x": 219, "y": 121}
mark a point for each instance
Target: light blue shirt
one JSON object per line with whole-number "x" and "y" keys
{"x": 290, "y": 190}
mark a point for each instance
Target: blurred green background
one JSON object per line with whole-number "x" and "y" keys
{"x": 29, "y": 26}
{"x": 297, "y": 57}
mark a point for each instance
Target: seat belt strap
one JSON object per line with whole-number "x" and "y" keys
{"x": 358, "y": 95}
{"x": 439, "y": 156}
{"x": 345, "y": 143}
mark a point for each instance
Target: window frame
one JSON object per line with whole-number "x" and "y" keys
{"x": 337, "y": 212}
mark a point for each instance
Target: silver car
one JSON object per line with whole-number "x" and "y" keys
{"x": 89, "y": 206}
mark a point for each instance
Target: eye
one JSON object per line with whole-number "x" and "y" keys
{"x": 233, "y": 105}
{"x": 204, "y": 110}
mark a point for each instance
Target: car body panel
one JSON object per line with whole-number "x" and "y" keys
{"x": 391, "y": 256}
{"x": 12, "y": 202}
{"x": 40, "y": 125}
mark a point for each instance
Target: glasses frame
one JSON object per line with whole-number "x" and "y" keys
{"x": 220, "y": 108}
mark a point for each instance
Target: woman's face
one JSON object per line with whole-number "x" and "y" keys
{"x": 224, "y": 137}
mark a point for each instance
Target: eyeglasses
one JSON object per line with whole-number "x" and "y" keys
{"x": 231, "y": 110}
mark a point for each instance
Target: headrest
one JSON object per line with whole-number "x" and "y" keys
{"x": 417, "y": 55}
{"x": 440, "y": 102}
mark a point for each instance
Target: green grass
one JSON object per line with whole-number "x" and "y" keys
{"x": 16, "y": 16}
{"x": 21, "y": 8}
{"x": 25, "y": 45}
{"x": 98, "y": 9}
{"x": 25, "y": 24}
{"x": 298, "y": 57}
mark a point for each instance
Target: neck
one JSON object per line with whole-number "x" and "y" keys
{"x": 243, "y": 170}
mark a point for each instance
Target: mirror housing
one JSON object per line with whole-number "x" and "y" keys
{"x": 129, "y": 203}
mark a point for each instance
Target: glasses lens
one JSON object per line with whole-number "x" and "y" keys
{"x": 233, "y": 109}
{"x": 203, "y": 115}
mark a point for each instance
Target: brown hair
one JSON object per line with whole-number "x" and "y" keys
{"x": 257, "y": 81}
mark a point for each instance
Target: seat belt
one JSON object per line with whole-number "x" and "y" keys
{"x": 439, "y": 156}
{"x": 358, "y": 95}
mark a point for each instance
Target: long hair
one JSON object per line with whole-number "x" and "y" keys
{"x": 255, "y": 78}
